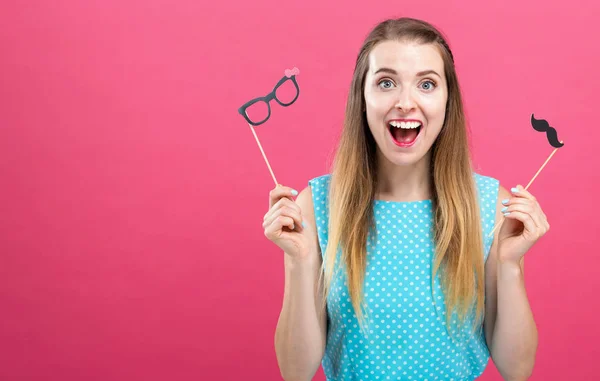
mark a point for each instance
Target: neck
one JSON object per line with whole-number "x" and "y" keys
{"x": 404, "y": 183}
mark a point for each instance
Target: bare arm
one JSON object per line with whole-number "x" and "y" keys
{"x": 510, "y": 328}
{"x": 301, "y": 330}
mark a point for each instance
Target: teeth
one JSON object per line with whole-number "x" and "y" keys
{"x": 407, "y": 125}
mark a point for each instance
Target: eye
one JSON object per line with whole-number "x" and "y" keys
{"x": 385, "y": 81}
{"x": 431, "y": 86}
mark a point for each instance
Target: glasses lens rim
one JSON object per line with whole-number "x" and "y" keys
{"x": 252, "y": 103}
{"x": 280, "y": 84}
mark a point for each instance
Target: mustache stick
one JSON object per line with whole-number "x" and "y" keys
{"x": 263, "y": 153}
{"x": 530, "y": 182}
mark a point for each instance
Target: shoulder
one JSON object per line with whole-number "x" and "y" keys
{"x": 490, "y": 194}
{"x": 486, "y": 183}
{"x": 312, "y": 201}
{"x": 492, "y": 191}
{"x": 320, "y": 181}
{"x": 488, "y": 190}
{"x": 319, "y": 187}
{"x": 313, "y": 196}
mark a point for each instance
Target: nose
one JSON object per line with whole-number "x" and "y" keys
{"x": 405, "y": 101}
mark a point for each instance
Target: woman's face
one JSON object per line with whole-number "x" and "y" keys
{"x": 405, "y": 94}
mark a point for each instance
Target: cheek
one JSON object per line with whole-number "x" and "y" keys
{"x": 435, "y": 108}
{"x": 377, "y": 103}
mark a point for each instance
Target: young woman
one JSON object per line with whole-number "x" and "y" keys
{"x": 391, "y": 268}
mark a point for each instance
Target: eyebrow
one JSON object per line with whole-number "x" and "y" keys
{"x": 419, "y": 74}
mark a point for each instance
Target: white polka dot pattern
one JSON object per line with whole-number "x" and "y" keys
{"x": 406, "y": 336}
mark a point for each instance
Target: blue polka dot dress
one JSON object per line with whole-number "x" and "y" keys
{"x": 405, "y": 337}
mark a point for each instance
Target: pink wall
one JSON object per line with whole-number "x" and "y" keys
{"x": 133, "y": 193}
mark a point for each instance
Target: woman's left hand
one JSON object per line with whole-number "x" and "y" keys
{"x": 524, "y": 224}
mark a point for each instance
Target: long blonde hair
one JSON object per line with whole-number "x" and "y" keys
{"x": 457, "y": 232}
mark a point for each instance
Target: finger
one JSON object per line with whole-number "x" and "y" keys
{"x": 275, "y": 229}
{"x": 528, "y": 206}
{"x": 540, "y": 220}
{"x": 281, "y": 191}
{"x": 285, "y": 212}
{"x": 287, "y": 203}
{"x": 543, "y": 218}
{"x": 530, "y": 228}
{"x": 518, "y": 200}
{"x": 274, "y": 233}
{"x": 283, "y": 202}
{"x": 520, "y": 191}
{"x": 518, "y": 204}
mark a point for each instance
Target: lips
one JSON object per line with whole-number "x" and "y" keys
{"x": 404, "y": 132}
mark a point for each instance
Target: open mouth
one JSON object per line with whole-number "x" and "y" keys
{"x": 404, "y": 134}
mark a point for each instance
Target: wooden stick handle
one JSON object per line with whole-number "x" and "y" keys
{"x": 528, "y": 185}
{"x": 263, "y": 153}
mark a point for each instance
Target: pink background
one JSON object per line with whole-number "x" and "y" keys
{"x": 132, "y": 196}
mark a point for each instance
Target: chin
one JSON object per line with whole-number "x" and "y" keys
{"x": 400, "y": 159}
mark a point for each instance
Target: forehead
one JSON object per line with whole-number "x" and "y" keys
{"x": 405, "y": 57}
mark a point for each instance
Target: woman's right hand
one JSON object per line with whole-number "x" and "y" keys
{"x": 283, "y": 223}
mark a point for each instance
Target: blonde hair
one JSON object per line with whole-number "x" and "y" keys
{"x": 457, "y": 233}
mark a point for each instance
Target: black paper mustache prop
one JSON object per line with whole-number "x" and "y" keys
{"x": 542, "y": 126}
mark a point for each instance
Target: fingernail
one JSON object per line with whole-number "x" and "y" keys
{"x": 506, "y": 214}
{"x": 515, "y": 190}
{"x": 294, "y": 192}
{"x": 505, "y": 201}
{"x": 303, "y": 224}
{"x": 504, "y": 209}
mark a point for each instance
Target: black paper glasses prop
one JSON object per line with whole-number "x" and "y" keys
{"x": 540, "y": 125}
{"x": 278, "y": 94}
